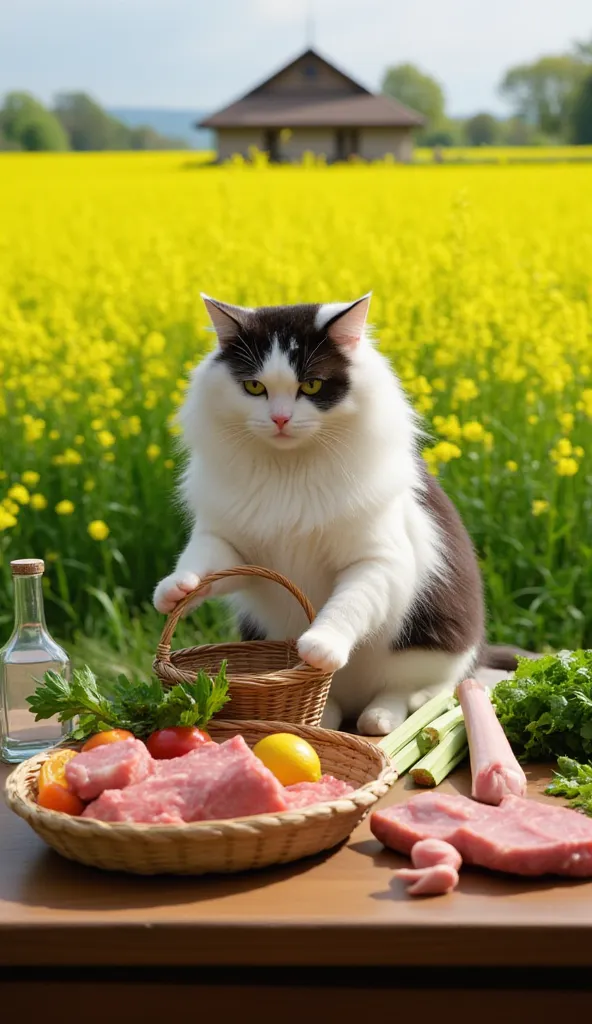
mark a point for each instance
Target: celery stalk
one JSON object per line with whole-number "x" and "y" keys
{"x": 404, "y": 758}
{"x": 400, "y": 737}
{"x": 440, "y": 761}
{"x": 438, "y": 729}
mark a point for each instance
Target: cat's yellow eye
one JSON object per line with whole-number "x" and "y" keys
{"x": 254, "y": 387}
{"x": 311, "y": 387}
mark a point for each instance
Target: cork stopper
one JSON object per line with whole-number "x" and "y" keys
{"x": 27, "y": 567}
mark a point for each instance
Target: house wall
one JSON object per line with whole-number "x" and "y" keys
{"x": 375, "y": 143}
{"x": 237, "y": 140}
{"x": 317, "y": 140}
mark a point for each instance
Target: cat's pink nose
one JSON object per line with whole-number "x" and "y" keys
{"x": 281, "y": 421}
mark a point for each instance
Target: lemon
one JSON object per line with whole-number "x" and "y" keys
{"x": 289, "y": 758}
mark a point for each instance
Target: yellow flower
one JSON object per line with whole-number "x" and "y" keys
{"x": 533, "y": 419}
{"x": 33, "y": 429}
{"x": 566, "y": 419}
{"x": 64, "y": 507}
{"x": 105, "y": 438}
{"x": 98, "y": 530}
{"x": 19, "y": 493}
{"x": 539, "y": 506}
{"x": 423, "y": 404}
{"x": 89, "y": 485}
{"x": 30, "y": 477}
{"x": 69, "y": 458}
{"x": 11, "y": 506}
{"x": 512, "y": 466}
{"x": 134, "y": 425}
{"x": 79, "y": 439}
{"x": 38, "y": 502}
{"x": 567, "y": 467}
{"x": 97, "y": 424}
{"x": 153, "y": 451}
{"x": 563, "y": 446}
{"x": 473, "y": 431}
{"x": 579, "y": 451}
{"x": 448, "y": 426}
{"x": 439, "y": 384}
{"x": 109, "y": 457}
{"x": 444, "y": 451}
{"x": 483, "y": 374}
{"x": 488, "y": 440}
{"x": 169, "y": 463}
{"x": 531, "y": 397}
{"x": 6, "y": 519}
{"x": 465, "y": 390}
{"x": 54, "y": 435}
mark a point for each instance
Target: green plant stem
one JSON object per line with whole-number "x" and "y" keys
{"x": 400, "y": 737}
{"x": 438, "y": 729}
{"x": 404, "y": 758}
{"x": 440, "y": 761}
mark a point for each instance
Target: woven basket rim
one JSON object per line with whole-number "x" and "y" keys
{"x": 305, "y": 673}
{"x": 19, "y": 800}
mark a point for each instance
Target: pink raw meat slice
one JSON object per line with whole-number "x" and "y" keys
{"x": 306, "y": 794}
{"x": 215, "y": 781}
{"x": 111, "y": 766}
{"x": 520, "y": 836}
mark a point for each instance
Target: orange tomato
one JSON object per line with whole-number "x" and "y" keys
{"x": 54, "y": 792}
{"x": 112, "y": 736}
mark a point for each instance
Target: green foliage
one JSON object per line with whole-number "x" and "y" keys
{"x": 546, "y": 708}
{"x": 581, "y": 116}
{"x": 141, "y": 706}
{"x": 543, "y": 92}
{"x": 482, "y": 130}
{"x": 417, "y": 90}
{"x": 573, "y": 781}
{"x": 90, "y": 128}
{"x": 26, "y": 124}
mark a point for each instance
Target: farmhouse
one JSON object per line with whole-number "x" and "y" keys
{"x": 309, "y": 105}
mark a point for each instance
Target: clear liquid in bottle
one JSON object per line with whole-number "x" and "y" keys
{"x": 24, "y": 660}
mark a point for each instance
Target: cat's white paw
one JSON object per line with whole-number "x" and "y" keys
{"x": 378, "y": 721}
{"x": 324, "y": 649}
{"x": 173, "y": 589}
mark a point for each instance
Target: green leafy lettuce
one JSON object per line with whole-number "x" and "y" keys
{"x": 546, "y": 708}
{"x": 141, "y": 707}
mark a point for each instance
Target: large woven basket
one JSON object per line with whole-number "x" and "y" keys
{"x": 268, "y": 681}
{"x": 236, "y": 844}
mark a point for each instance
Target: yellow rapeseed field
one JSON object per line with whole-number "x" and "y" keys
{"x": 482, "y": 281}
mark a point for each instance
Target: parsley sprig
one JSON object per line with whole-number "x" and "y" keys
{"x": 141, "y": 707}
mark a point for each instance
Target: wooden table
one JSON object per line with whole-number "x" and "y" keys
{"x": 332, "y": 931}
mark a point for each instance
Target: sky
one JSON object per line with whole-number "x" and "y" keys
{"x": 200, "y": 54}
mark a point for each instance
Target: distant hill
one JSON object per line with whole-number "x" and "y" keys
{"x": 177, "y": 124}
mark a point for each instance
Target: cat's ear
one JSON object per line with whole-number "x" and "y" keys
{"x": 226, "y": 320}
{"x": 345, "y": 322}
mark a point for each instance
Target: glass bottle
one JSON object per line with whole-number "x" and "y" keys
{"x": 28, "y": 655}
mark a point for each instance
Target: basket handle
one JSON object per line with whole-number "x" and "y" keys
{"x": 163, "y": 650}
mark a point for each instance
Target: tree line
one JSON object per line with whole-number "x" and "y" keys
{"x": 76, "y": 122}
{"x": 550, "y": 98}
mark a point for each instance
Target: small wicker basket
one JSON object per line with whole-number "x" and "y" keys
{"x": 235, "y": 844}
{"x": 268, "y": 681}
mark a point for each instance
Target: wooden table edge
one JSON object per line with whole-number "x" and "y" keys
{"x": 290, "y": 944}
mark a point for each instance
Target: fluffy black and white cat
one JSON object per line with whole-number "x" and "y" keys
{"x": 304, "y": 458}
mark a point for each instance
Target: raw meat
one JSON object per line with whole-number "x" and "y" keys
{"x": 430, "y": 852}
{"x": 436, "y": 880}
{"x": 306, "y": 794}
{"x": 111, "y": 766}
{"x": 214, "y": 781}
{"x": 520, "y": 836}
{"x": 435, "y": 868}
{"x": 494, "y": 769}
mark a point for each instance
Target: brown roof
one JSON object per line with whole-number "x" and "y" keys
{"x": 354, "y": 107}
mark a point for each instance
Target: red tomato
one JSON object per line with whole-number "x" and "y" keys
{"x": 112, "y": 736}
{"x": 176, "y": 741}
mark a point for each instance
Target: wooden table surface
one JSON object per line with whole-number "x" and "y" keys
{"x": 342, "y": 908}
